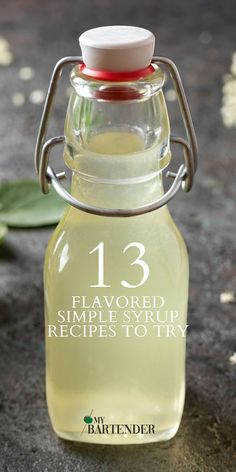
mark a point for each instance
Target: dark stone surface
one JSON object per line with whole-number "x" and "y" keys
{"x": 39, "y": 33}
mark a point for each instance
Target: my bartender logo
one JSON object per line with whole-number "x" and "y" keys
{"x": 98, "y": 425}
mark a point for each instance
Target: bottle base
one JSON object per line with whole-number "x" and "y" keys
{"x": 118, "y": 439}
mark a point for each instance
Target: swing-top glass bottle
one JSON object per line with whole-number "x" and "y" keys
{"x": 116, "y": 267}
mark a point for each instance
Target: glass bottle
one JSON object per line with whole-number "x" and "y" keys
{"x": 116, "y": 267}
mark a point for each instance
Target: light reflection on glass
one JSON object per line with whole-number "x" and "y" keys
{"x": 64, "y": 257}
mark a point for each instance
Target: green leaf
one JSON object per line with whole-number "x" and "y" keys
{"x": 22, "y": 205}
{"x": 3, "y": 232}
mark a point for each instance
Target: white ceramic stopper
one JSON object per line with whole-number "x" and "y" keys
{"x": 117, "y": 48}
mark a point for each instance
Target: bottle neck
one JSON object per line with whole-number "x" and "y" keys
{"x": 124, "y": 195}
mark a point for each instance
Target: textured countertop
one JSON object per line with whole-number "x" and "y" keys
{"x": 200, "y": 37}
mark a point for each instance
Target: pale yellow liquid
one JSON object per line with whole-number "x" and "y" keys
{"x": 138, "y": 380}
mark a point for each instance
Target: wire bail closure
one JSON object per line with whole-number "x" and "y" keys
{"x": 182, "y": 178}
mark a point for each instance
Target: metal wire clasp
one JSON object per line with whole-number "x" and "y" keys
{"x": 182, "y": 178}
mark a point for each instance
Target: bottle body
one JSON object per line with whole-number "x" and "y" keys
{"x": 130, "y": 368}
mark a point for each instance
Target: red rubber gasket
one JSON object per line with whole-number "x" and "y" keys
{"x": 113, "y": 76}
